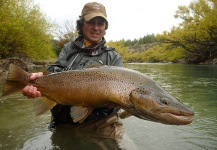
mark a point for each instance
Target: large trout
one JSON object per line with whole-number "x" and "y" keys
{"x": 95, "y": 87}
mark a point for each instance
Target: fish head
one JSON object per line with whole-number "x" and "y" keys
{"x": 156, "y": 104}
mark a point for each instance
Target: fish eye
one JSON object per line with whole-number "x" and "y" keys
{"x": 165, "y": 101}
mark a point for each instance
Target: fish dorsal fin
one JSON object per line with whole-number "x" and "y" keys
{"x": 42, "y": 104}
{"x": 79, "y": 113}
{"x": 125, "y": 114}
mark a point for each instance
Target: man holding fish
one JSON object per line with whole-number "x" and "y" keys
{"x": 87, "y": 50}
{"x": 89, "y": 99}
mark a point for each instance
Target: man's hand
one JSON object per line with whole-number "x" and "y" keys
{"x": 31, "y": 91}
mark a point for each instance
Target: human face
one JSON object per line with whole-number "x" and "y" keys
{"x": 94, "y": 30}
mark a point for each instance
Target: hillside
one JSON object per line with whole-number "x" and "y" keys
{"x": 138, "y": 48}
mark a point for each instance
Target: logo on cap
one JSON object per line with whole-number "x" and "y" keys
{"x": 96, "y": 6}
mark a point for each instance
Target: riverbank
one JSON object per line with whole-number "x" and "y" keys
{"x": 210, "y": 62}
{"x": 26, "y": 65}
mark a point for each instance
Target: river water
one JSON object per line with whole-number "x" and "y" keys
{"x": 194, "y": 85}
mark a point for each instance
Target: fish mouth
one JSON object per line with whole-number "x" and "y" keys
{"x": 169, "y": 116}
{"x": 174, "y": 116}
{"x": 176, "y": 119}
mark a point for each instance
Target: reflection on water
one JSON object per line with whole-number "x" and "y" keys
{"x": 194, "y": 85}
{"x": 65, "y": 137}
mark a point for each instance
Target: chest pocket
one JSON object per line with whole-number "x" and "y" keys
{"x": 81, "y": 61}
{"x": 89, "y": 61}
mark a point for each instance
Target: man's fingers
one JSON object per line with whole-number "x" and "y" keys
{"x": 35, "y": 75}
{"x": 25, "y": 90}
{"x": 31, "y": 92}
{"x": 38, "y": 94}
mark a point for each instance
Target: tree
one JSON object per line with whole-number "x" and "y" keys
{"x": 197, "y": 33}
{"x": 66, "y": 33}
{"x": 149, "y": 38}
{"x": 25, "y": 32}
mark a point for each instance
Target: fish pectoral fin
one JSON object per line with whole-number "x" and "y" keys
{"x": 43, "y": 104}
{"x": 125, "y": 114}
{"x": 79, "y": 113}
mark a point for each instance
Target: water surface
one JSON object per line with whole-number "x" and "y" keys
{"x": 194, "y": 85}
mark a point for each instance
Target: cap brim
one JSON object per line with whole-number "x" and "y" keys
{"x": 90, "y": 16}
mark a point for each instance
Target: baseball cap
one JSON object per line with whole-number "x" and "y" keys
{"x": 93, "y": 9}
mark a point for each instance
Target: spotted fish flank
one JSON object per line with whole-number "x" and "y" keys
{"x": 95, "y": 87}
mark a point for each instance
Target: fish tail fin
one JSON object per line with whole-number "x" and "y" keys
{"x": 16, "y": 80}
{"x": 43, "y": 104}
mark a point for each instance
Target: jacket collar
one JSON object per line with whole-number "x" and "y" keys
{"x": 79, "y": 43}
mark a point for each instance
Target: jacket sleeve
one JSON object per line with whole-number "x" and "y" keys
{"x": 115, "y": 59}
{"x": 60, "y": 63}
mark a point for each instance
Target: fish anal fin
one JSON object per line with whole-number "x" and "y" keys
{"x": 42, "y": 104}
{"x": 125, "y": 114}
{"x": 79, "y": 113}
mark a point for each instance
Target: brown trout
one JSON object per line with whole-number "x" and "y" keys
{"x": 95, "y": 87}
